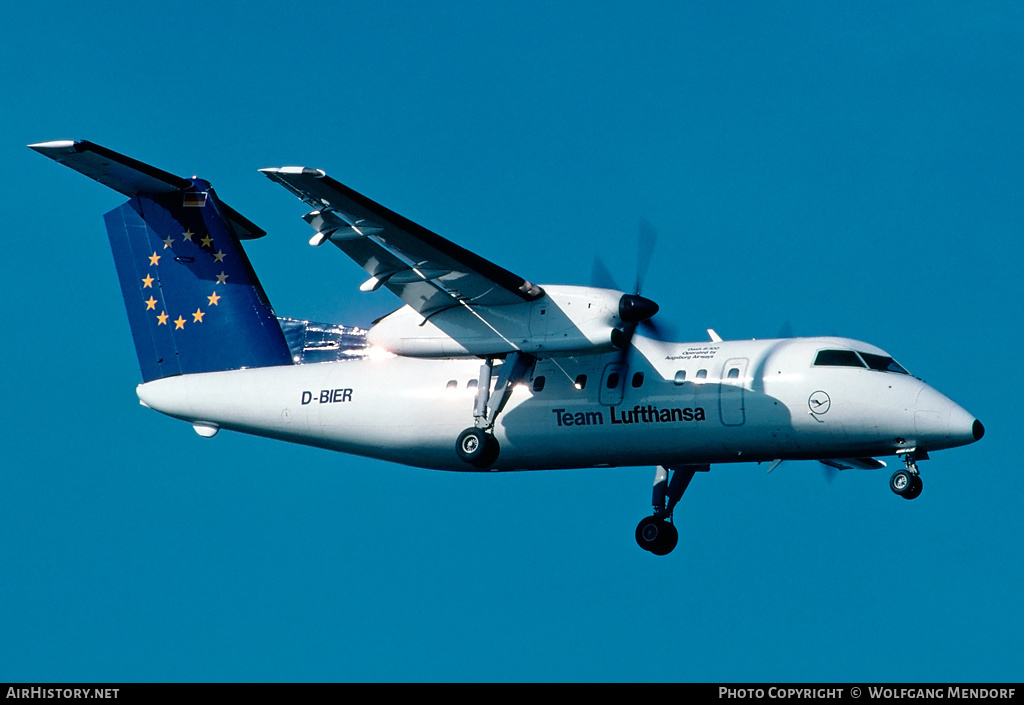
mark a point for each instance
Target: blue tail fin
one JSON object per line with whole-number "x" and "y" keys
{"x": 193, "y": 300}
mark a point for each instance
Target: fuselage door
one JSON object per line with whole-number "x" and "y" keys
{"x": 612, "y": 383}
{"x": 731, "y": 392}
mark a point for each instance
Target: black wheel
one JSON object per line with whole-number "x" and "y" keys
{"x": 477, "y": 448}
{"x": 490, "y": 454}
{"x": 667, "y": 539}
{"x": 656, "y": 535}
{"x": 915, "y": 488}
{"x": 901, "y": 482}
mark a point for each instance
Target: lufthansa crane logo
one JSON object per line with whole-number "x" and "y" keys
{"x": 819, "y": 402}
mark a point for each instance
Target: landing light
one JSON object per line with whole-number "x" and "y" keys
{"x": 376, "y": 353}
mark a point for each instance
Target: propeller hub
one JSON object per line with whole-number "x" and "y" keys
{"x": 634, "y": 308}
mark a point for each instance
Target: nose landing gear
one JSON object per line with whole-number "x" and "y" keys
{"x": 907, "y": 482}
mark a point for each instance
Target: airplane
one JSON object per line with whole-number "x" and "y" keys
{"x": 479, "y": 369}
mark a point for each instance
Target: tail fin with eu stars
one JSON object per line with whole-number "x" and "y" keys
{"x": 194, "y": 303}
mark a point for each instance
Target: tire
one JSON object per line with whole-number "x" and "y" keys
{"x": 667, "y": 539}
{"x": 476, "y": 447}
{"x": 656, "y": 535}
{"x": 647, "y": 533}
{"x": 901, "y": 482}
{"x": 914, "y": 491}
{"x": 490, "y": 454}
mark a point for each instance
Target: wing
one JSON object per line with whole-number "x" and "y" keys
{"x": 426, "y": 271}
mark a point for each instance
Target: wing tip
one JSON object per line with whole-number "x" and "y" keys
{"x": 55, "y": 146}
{"x": 303, "y": 170}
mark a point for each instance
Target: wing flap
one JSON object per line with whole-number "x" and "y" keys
{"x": 854, "y": 463}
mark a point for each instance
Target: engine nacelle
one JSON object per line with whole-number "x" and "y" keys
{"x": 566, "y": 319}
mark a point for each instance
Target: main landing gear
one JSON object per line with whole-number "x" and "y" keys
{"x": 907, "y": 482}
{"x": 477, "y": 446}
{"x": 656, "y": 533}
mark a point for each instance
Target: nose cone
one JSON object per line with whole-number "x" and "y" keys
{"x": 942, "y": 423}
{"x": 963, "y": 427}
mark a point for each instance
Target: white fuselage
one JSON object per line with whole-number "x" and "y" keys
{"x": 696, "y": 403}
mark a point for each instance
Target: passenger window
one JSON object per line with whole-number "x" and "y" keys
{"x": 680, "y": 377}
{"x": 702, "y": 375}
{"x": 581, "y": 382}
{"x": 538, "y": 383}
{"x": 613, "y": 380}
{"x": 471, "y": 384}
{"x": 452, "y": 384}
{"x": 734, "y": 373}
{"x": 638, "y": 379}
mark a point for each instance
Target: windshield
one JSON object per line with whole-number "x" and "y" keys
{"x": 850, "y": 358}
{"x": 883, "y": 363}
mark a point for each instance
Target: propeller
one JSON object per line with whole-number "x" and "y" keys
{"x": 634, "y": 310}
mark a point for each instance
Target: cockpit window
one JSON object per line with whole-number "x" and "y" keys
{"x": 849, "y": 358}
{"x": 838, "y": 358}
{"x": 883, "y": 363}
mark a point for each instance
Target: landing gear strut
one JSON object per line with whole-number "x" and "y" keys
{"x": 907, "y": 482}
{"x": 656, "y": 533}
{"x": 477, "y": 445}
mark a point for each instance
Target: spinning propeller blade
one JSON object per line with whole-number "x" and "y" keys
{"x": 634, "y": 309}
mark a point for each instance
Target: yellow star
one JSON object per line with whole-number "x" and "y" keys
{"x": 213, "y": 299}
{"x": 168, "y": 242}
{"x": 222, "y": 278}
{"x": 179, "y": 322}
{"x": 147, "y": 283}
{"x": 154, "y": 259}
{"x": 207, "y": 241}
{"x": 218, "y": 256}
{"x": 162, "y": 318}
{"x": 197, "y": 317}
{"x": 188, "y": 235}
{"x": 151, "y": 304}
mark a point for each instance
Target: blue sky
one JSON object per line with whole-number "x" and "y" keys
{"x": 851, "y": 168}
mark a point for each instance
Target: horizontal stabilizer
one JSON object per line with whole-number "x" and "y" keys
{"x": 123, "y": 174}
{"x": 132, "y": 177}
